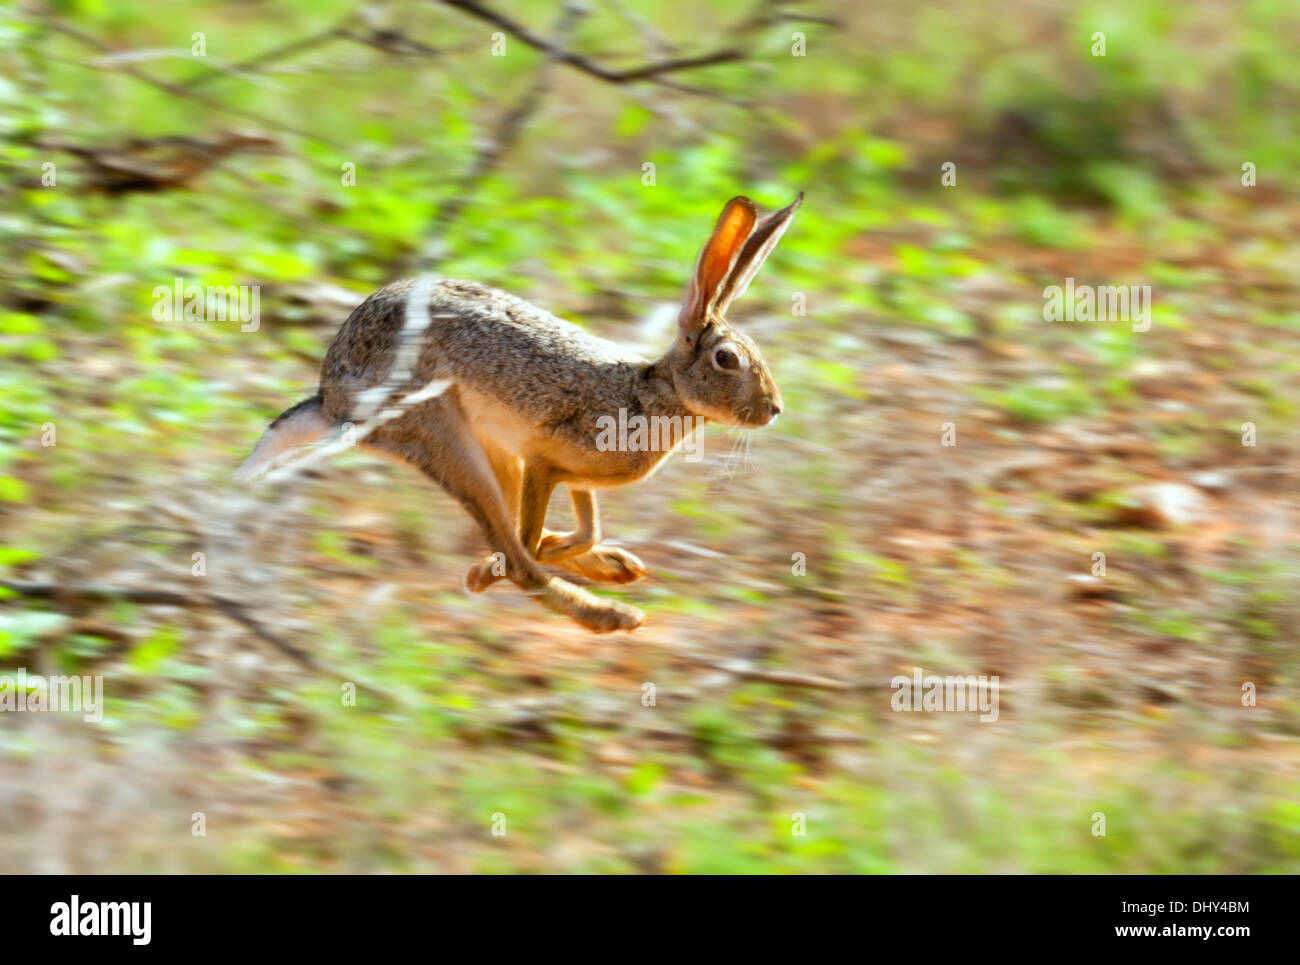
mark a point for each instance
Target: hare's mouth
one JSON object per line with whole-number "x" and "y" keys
{"x": 757, "y": 416}
{"x": 749, "y": 419}
{"x": 754, "y": 416}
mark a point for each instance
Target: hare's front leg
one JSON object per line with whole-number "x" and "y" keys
{"x": 528, "y": 492}
{"x": 560, "y": 546}
{"x": 605, "y": 564}
{"x": 580, "y": 551}
{"x": 436, "y": 439}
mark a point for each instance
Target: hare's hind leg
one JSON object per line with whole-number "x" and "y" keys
{"x": 528, "y": 488}
{"x": 436, "y": 439}
{"x": 509, "y": 471}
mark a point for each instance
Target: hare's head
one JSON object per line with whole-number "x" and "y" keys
{"x": 719, "y": 373}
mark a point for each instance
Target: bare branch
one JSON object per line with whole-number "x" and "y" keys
{"x": 152, "y": 597}
{"x": 94, "y": 592}
{"x": 651, "y": 72}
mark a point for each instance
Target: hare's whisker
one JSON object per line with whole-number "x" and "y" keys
{"x": 725, "y": 471}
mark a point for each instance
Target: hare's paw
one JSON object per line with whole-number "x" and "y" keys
{"x": 482, "y": 575}
{"x": 555, "y": 547}
{"x": 605, "y": 564}
{"x": 592, "y": 612}
{"x": 610, "y": 615}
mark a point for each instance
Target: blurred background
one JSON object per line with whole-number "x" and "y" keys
{"x": 319, "y": 149}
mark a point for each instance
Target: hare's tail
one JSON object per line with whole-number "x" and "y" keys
{"x": 298, "y": 426}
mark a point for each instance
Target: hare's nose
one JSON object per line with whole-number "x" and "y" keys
{"x": 776, "y": 411}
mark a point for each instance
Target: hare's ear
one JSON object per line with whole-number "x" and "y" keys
{"x": 755, "y": 252}
{"x": 734, "y": 225}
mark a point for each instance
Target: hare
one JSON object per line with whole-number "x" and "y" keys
{"x": 499, "y": 402}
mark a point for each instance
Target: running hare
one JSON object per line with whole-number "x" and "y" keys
{"x": 499, "y": 402}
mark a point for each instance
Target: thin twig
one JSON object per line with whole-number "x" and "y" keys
{"x": 745, "y": 670}
{"x": 269, "y": 58}
{"x": 176, "y": 90}
{"x": 153, "y": 597}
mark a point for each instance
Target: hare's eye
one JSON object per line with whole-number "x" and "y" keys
{"x": 725, "y": 360}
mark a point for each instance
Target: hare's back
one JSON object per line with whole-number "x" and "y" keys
{"x": 472, "y": 334}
